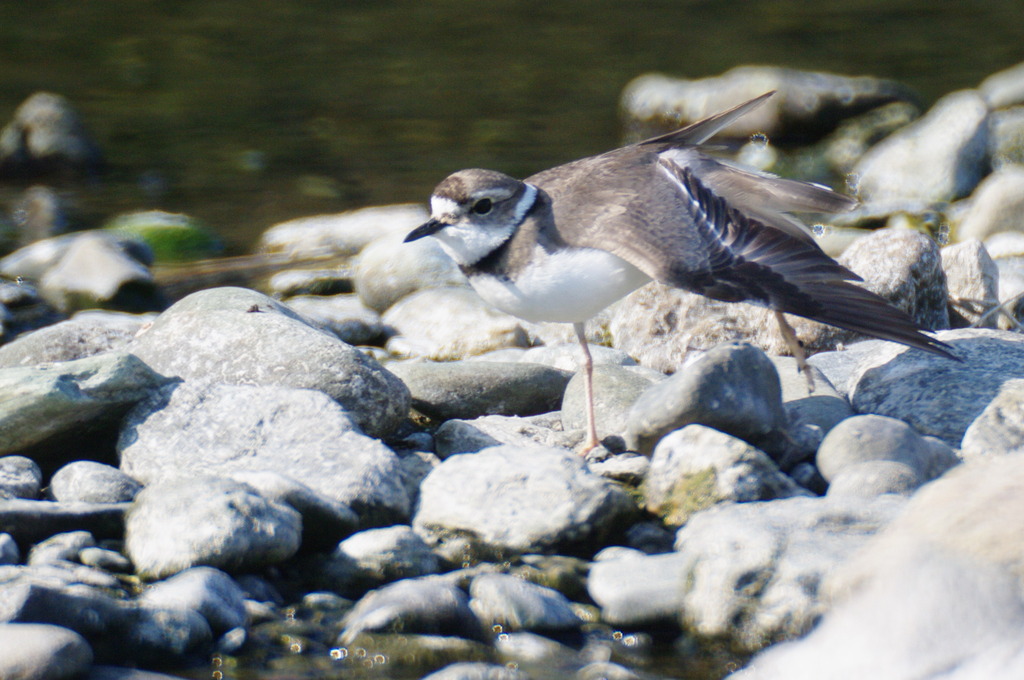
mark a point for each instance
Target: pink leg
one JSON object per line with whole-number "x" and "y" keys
{"x": 588, "y": 389}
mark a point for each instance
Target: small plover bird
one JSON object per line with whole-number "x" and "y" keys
{"x": 565, "y": 243}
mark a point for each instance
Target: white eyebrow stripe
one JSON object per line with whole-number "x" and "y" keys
{"x": 525, "y": 202}
{"x": 441, "y": 205}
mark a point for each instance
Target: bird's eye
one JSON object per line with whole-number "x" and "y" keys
{"x": 483, "y": 206}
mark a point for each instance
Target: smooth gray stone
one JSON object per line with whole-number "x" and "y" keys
{"x": 1006, "y": 137}
{"x": 515, "y": 604}
{"x": 643, "y": 590}
{"x": 733, "y": 388}
{"x": 940, "y": 157}
{"x": 928, "y": 614}
{"x": 118, "y": 630}
{"x": 189, "y": 522}
{"x": 312, "y": 283}
{"x": 904, "y": 267}
{"x": 63, "y": 547}
{"x": 300, "y": 433}
{"x": 99, "y": 672}
{"x": 1004, "y": 88}
{"x": 509, "y": 500}
{"x": 874, "y": 478}
{"x": 418, "y": 606}
{"x": 206, "y": 590}
{"x": 839, "y": 365}
{"x": 377, "y": 556}
{"x": 20, "y": 477}
{"x": 86, "y": 334}
{"x": 569, "y": 356}
{"x": 477, "y": 670}
{"x": 61, "y": 573}
{"x": 388, "y": 270}
{"x": 236, "y": 336}
{"x": 468, "y": 436}
{"x": 696, "y": 467}
{"x": 461, "y": 389}
{"x": 822, "y": 408}
{"x": 9, "y": 553}
{"x": 35, "y": 651}
{"x": 972, "y": 278}
{"x": 87, "y": 481}
{"x": 443, "y": 324}
{"x": 936, "y": 396}
{"x": 754, "y": 571}
{"x": 616, "y": 389}
{"x": 343, "y": 315}
{"x": 999, "y": 429}
{"x": 40, "y": 403}
{"x": 31, "y": 521}
{"x": 867, "y": 438}
{"x": 344, "y": 233}
{"x": 107, "y": 560}
{"x": 324, "y": 520}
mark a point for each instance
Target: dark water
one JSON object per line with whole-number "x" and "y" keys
{"x": 247, "y": 113}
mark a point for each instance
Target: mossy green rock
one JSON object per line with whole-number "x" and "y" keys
{"x": 173, "y": 237}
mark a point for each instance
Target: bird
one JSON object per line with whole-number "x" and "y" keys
{"x": 565, "y": 243}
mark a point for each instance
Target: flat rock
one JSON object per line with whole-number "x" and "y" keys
{"x": 31, "y": 521}
{"x": 515, "y": 604}
{"x": 640, "y": 590}
{"x": 236, "y": 336}
{"x": 936, "y": 396}
{"x": 390, "y": 269}
{"x": 43, "y": 403}
{"x": 569, "y": 356}
{"x": 206, "y": 590}
{"x": 344, "y": 315}
{"x": 460, "y": 389}
{"x": 371, "y": 558}
{"x": 999, "y": 429}
{"x": 616, "y": 389}
{"x": 413, "y": 606}
{"x": 450, "y": 323}
{"x": 754, "y": 571}
{"x": 87, "y": 481}
{"x": 208, "y": 521}
{"x": 937, "y": 158}
{"x": 32, "y": 651}
{"x": 345, "y": 233}
{"x": 696, "y": 467}
{"x": 225, "y": 429}
{"x": 85, "y": 334}
{"x": 972, "y": 278}
{"x": 509, "y": 500}
{"x": 733, "y": 388}
{"x": 468, "y": 436}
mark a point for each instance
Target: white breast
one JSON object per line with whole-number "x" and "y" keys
{"x": 568, "y": 285}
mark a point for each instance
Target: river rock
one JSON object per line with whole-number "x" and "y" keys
{"x": 753, "y": 572}
{"x": 460, "y": 389}
{"x": 996, "y": 205}
{"x": 940, "y": 157}
{"x": 972, "y": 278}
{"x": 20, "y": 477}
{"x": 59, "y": 548}
{"x": 805, "y": 103}
{"x": 292, "y": 283}
{"x": 1006, "y": 137}
{"x": 874, "y": 478}
{"x": 477, "y": 670}
{"x": 371, "y": 558}
{"x": 31, "y": 651}
{"x": 616, "y": 389}
{"x": 240, "y": 337}
{"x": 514, "y": 604}
{"x": 84, "y": 335}
{"x": 640, "y": 590}
{"x": 934, "y": 395}
{"x": 999, "y": 429}
{"x": 32, "y": 521}
{"x": 47, "y": 135}
{"x": 206, "y": 590}
{"x": 413, "y": 606}
{"x": 696, "y": 467}
{"x": 344, "y": 233}
{"x": 171, "y": 237}
{"x": 225, "y": 429}
{"x": 343, "y": 315}
{"x": 40, "y": 405}
{"x": 388, "y": 269}
{"x": 450, "y": 323}
{"x": 508, "y": 500}
{"x": 1004, "y": 88}
{"x": 733, "y": 388}
{"x": 87, "y": 481}
{"x": 468, "y": 436}
{"x": 9, "y": 553}
{"x": 865, "y": 438}
{"x": 208, "y": 521}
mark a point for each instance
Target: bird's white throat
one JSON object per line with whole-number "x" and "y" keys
{"x": 468, "y": 241}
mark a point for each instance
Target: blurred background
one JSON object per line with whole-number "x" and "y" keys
{"x": 244, "y": 114}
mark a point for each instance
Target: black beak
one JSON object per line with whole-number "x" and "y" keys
{"x": 431, "y": 227}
